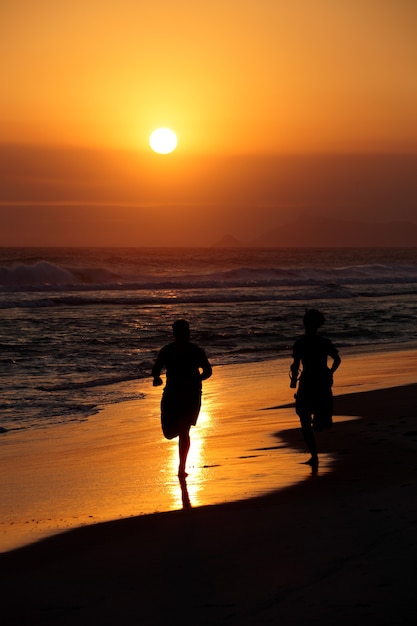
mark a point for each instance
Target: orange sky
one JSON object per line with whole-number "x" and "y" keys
{"x": 236, "y": 79}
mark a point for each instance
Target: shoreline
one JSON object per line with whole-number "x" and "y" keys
{"x": 334, "y": 548}
{"x": 130, "y": 384}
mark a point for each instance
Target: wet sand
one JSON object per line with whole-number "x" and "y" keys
{"x": 300, "y": 548}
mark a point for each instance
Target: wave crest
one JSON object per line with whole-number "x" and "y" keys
{"x": 44, "y": 275}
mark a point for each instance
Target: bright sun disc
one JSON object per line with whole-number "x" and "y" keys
{"x": 163, "y": 140}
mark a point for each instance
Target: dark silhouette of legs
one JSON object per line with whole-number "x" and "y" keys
{"x": 183, "y": 447}
{"x": 309, "y": 438}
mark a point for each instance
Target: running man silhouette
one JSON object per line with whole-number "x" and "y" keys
{"x": 314, "y": 397}
{"x": 186, "y": 366}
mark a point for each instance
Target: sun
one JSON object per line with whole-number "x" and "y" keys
{"x": 163, "y": 140}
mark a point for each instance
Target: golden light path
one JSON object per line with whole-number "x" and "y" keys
{"x": 196, "y": 461}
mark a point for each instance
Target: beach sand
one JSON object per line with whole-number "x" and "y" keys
{"x": 256, "y": 538}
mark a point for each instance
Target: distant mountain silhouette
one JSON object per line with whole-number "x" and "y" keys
{"x": 228, "y": 241}
{"x": 308, "y": 231}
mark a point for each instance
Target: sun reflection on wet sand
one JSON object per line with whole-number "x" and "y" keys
{"x": 196, "y": 464}
{"x": 234, "y": 452}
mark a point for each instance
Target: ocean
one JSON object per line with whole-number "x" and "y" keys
{"x": 76, "y": 322}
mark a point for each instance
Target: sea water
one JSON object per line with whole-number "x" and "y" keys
{"x": 76, "y": 322}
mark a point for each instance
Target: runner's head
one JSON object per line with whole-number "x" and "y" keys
{"x": 181, "y": 330}
{"x": 313, "y": 320}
